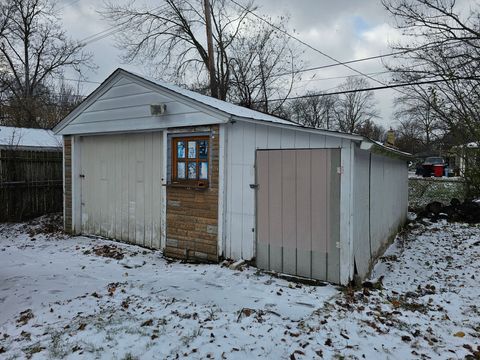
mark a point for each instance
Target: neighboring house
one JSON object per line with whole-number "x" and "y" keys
{"x": 156, "y": 165}
{"x": 463, "y": 157}
{"x": 29, "y": 139}
{"x": 31, "y": 180}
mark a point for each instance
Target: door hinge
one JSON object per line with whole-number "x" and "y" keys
{"x": 340, "y": 170}
{"x": 253, "y": 186}
{"x": 82, "y": 176}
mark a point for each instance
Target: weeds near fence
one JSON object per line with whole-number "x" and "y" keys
{"x": 422, "y": 191}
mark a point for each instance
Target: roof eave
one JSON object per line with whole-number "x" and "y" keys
{"x": 390, "y": 152}
{"x": 299, "y": 127}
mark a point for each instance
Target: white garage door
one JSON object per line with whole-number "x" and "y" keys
{"x": 121, "y": 187}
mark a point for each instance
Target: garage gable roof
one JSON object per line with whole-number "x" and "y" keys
{"x": 223, "y": 106}
{"x": 219, "y": 111}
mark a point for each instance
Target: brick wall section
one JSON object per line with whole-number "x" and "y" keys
{"x": 67, "y": 171}
{"x": 192, "y": 215}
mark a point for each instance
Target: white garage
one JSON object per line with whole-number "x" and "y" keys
{"x": 159, "y": 166}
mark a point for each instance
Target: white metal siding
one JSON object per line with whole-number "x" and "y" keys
{"x": 121, "y": 188}
{"x": 361, "y": 211}
{"x": 242, "y": 140}
{"x": 380, "y": 204}
{"x": 389, "y": 199}
{"x": 125, "y": 106}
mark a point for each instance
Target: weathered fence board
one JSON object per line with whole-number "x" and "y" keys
{"x": 30, "y": 183}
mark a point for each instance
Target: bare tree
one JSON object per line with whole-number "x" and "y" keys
{"x": 415, "y": 107}
{"x": 314, "y": 111}
{"x": 442, "y": 44}
{"x": 33, "y": 49}
{"x": 249, "y": 56}
{"x": 371, "y": 130}
{"x": 52, "y": 103}
{"x": 171, "y": 37}
{"x": 354, "y": 108}
{"x": 264, "y": 66}
{"x": 409, "y": 137}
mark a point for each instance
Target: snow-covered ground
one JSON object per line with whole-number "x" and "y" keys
{"x": 60, "y": 297}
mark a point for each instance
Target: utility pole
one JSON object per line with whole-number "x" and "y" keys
{"x": 211, "y": 59}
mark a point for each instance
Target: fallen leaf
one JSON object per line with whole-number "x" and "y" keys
{"x": 459, "y": 334}
{"x": 147, "y": 323}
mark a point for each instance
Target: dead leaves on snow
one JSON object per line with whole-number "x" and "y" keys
{"x": 258, "y": 314}
{"x": 109, "y": 251}
{"x": 25, "y": 317}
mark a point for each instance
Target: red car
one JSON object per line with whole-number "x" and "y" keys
{"x": 428, "y": 166}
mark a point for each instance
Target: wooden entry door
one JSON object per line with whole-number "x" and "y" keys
{"x": 298, "y": 212}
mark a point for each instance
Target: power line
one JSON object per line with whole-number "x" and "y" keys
{"x": 108, "y": 32}
{"x": 91, "y": 38}
{"x": 346, "y": 62}
{"x": 306, "y": 44}
{"x": 391, "y": 86}
{"x": 361, "y": 59}
{"x": 372, "y": 73}
{"x": 80, "y": 80}
{"x": 343, "y": 76}
{"x": 70, "y": 3}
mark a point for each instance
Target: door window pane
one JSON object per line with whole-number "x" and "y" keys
{"x": 181, "y": 150}
{"x": 192, "y": 170}
{"x": 203, "y": 171}
{"x": 181, "y": 170}
{"x": 203, "y": 149}
{"x": 192, "y": 149}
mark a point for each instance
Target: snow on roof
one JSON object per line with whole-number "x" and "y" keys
{"x": 221, "y": 105}
{"x": 391, "y": 149}
{"x": 227, "y": 108}
{"x": 25, "y": 137}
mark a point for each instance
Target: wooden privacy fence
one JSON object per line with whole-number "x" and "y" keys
{"x": 31, "y": 183}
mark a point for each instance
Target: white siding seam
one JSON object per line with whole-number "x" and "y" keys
{"x": 221, "y": 189}
{"x": 351, "y": 208}
{"x": 163, "y": 217}
{"x": 63, "y": 185}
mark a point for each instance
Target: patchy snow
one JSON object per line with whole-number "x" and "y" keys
{"x": 13, "y": 136}
{"x": 62, "y": 297}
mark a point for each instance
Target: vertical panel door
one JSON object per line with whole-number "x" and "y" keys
{"x": 298, "y": 212}
{"x": 121, "y": 187}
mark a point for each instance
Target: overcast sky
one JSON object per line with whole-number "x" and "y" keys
{"x": 343, "y": 29}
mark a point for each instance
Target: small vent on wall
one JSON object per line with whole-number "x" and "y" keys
{"x": 158, "y": 109}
